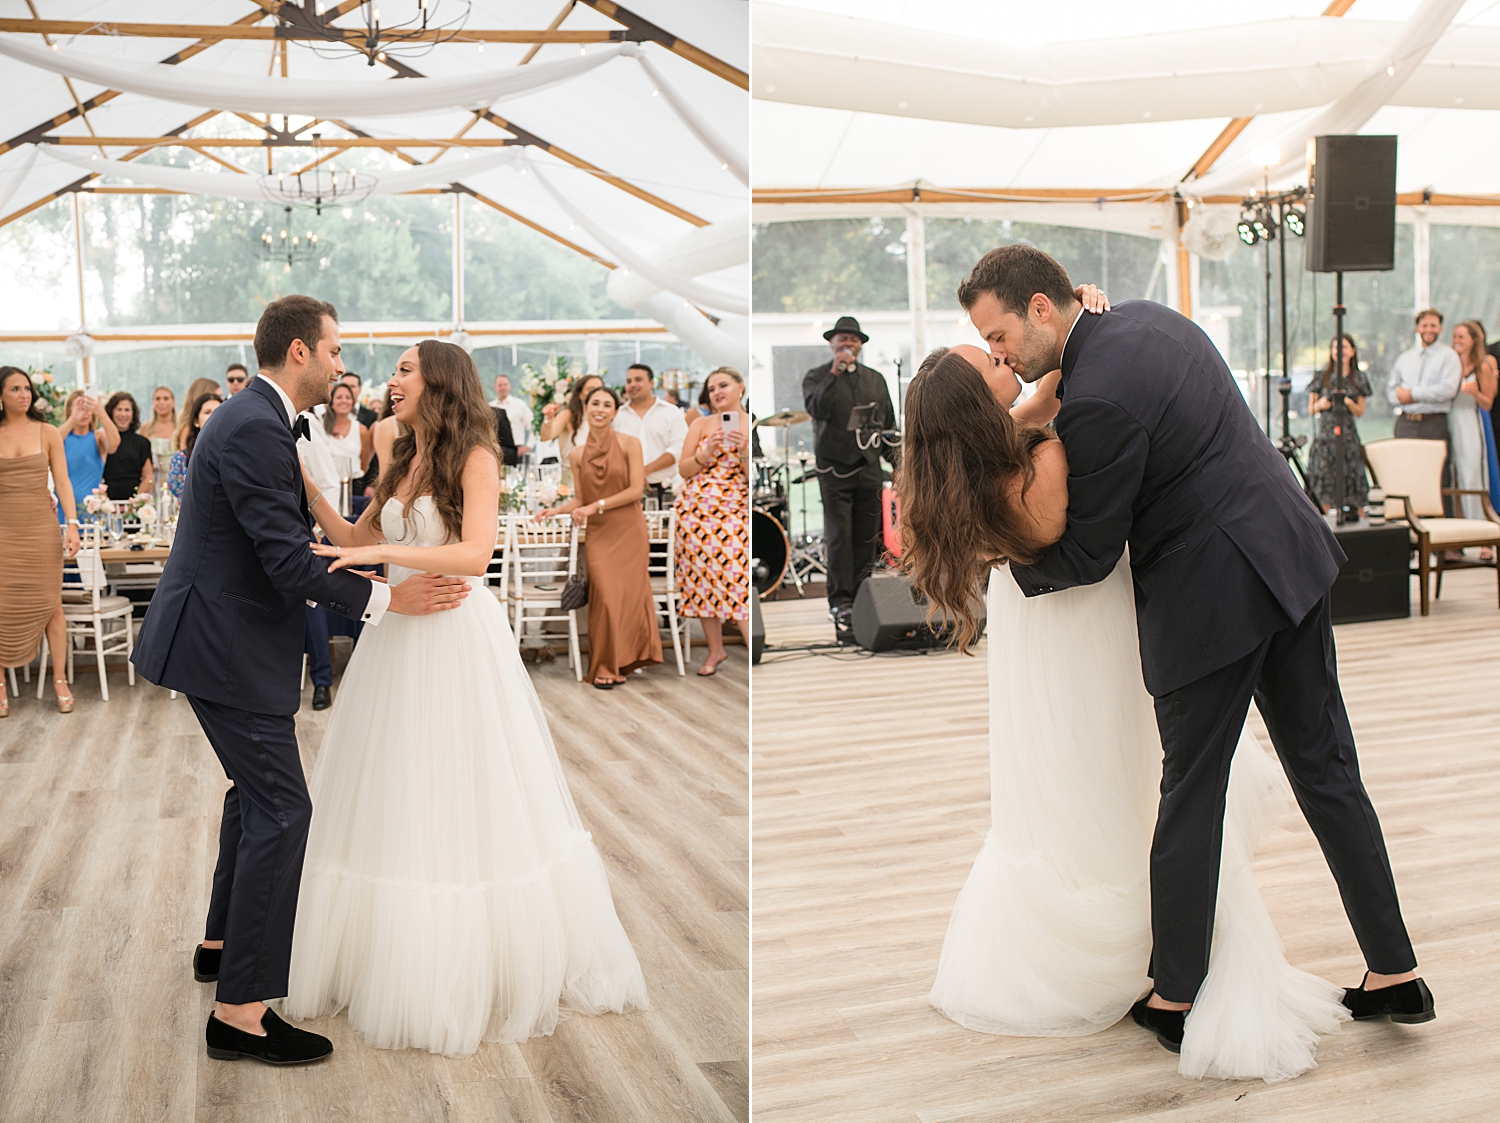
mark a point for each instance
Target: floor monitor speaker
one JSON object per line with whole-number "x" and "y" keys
{"x": 1351, "y": 206}
{"x": 757, "y": 630}
{"x": 889, "y": 615}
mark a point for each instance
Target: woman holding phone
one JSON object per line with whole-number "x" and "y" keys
{"x": 713, "y": 515}
{"x": 610, "y": 474}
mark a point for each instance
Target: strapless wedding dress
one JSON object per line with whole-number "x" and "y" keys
{"x": 1051, "y": 935}
{"x": 450, "y": 893}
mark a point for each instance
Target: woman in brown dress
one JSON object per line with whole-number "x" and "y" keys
{"x": 611, "y": 477}
{"x": 31, "y": 563}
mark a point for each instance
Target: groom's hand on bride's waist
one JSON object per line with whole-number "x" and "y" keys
{"x": 424, "y": 593}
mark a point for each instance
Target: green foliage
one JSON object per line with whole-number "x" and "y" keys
{"x": 51, "y": 393}
{"x": 513, "y": 273}
{"x": 829, "y": 265}
{"x": 1120, "y": 264}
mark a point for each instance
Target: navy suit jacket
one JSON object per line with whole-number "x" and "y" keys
{"x": 226, "y": 622}
{"x": 1163, "y": 453}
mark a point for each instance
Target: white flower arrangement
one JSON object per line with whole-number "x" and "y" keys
{"x": 547, "y": 386}
{"x": 147, "y": 513}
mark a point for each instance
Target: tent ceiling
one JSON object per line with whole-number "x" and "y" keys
{"x": 656, "y": 180}
{"x": 1117, "y": 96}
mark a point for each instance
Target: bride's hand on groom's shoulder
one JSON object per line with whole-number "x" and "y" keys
{"x": 1092, "y": 298}
{"x": 349, "y": 555}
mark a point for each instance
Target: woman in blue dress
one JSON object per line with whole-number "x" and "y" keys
{"x": 89, "y": 435}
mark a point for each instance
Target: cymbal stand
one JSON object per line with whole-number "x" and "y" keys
{"x": 806, "y": 560}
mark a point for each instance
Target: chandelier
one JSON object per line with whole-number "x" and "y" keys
{"x": 317, "y": 186}
{"x": 288, "y": 244}
{"x": 379, "y": 38}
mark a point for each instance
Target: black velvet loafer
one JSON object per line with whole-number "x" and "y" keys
{"x": 282, "y": 1044}
{"x": 1409, "y": 1003}
{"x": 1166, "y": 1024}
{"x": 206, "y": 963}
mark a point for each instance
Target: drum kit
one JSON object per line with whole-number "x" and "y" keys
{"x": 775, "y": 553}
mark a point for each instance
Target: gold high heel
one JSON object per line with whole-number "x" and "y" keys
{"x": 64, "y": 705}
{"x": 5, "y": 706}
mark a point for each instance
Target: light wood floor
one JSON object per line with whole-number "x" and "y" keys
{"x": 870, "y": 800}
{"x": 108, "y": 832}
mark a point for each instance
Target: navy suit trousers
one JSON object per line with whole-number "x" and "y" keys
{"x": 261, "y": 843}
{"x": 1293, "y": 677}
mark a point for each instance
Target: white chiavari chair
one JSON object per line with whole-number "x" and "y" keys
{"x": 661, "y": 528}
{"x": 497, "y": 575}
{"x": 545, "y": 556}
{"x": 87, "y": 609}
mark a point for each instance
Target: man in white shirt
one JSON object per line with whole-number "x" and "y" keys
{"x": 661, "y": 429}
{"x": 518, "y": 412}
{"x": 1424, "y": 382}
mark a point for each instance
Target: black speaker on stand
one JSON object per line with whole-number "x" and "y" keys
{"x": 1351, "y": 227}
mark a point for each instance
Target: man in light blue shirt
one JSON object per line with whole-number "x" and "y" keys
{"x": 1424, "y": 383}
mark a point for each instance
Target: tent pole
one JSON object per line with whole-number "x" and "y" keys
{"x": 1421, "y": 246}
{"x": 916, "y": 283}
{"x": 458, "y": 260}
{"x": 85, "y": 370}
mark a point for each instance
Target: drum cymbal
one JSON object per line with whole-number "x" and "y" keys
{"x": 785, "y": 419}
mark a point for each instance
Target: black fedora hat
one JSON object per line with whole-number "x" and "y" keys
{"x": 848, "y": 325}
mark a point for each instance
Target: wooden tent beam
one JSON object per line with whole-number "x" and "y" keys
{"x": 31, "y": 135}
{"x": 644, "y": 29}
{"x": 285, "y": 140}
{"x": 925, "y": 194}
{"x": 524, "y": 221}
{"x": 557, "y": 20}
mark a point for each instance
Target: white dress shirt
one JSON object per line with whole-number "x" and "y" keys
{"x": 662, "y": 430}
{"x": 380, "y": 593}
{"x": 1432, "y": 374}
{"x": 520, "y": 417}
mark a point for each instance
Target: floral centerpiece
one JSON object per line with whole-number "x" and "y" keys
{"x": 548, "y": 385}
{"x": 138, "y": 508}
{"x": 53, "y": 394}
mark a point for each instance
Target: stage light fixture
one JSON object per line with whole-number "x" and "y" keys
{"x": 1295, "y": 221}
{"x": 1247, "y": 233}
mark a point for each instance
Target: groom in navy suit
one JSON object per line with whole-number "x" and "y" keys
{"x": 225, "y": 628}
{"x": 1231, "y": 566}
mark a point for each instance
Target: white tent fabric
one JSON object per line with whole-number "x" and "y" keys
{"x": 308, "y": 97}
{"x": 816, "y": 58}
{"x": 1350, "y": 112}
{"x": 657, "y": 175}
{"x": 270, "y": 188}
{"x": 1023, "y": 97}
{"x": 683, "y": 286}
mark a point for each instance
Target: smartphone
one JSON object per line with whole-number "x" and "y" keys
{"x": 729, "y": 420}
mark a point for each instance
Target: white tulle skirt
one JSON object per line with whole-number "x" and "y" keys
{"x": 1051, "y": 935}
{"x": 450, "y": 893}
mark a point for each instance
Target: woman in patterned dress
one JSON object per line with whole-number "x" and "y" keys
{"x": 713, "y": 516}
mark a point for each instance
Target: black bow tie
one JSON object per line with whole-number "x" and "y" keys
{"x": 299, "y": 428}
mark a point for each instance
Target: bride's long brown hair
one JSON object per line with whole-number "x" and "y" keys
{"x": 960, "y": 450}
{"x": 456, "y": 419}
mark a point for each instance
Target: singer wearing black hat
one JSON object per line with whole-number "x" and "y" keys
{"x": 849, "y": 473}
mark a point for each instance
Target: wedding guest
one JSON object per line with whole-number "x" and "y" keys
{"x": 344, "y": 433}
{"x": 32, "y": 560}
{"x": 1424, "y": 382}
{"x": 713, "y": 517}
{"x": 89, "y": 435}
{"x": 1476, "y": 394}
{"x": 660, "y": 428}
{"x": 366, "y": 415}
{"x": 127, "y": 470}
{"x": 611, "y": 477}
{"x": 163, "y": 423}
{"x": 518, "y": 411}
{"x": 202, "y": 408}
{"x": 383, "y": 435}
{"x": 236, "y": 378}
{"x": 1322, "y": 458}
{"x": 199, "y": 387}
{"x": 568, "y": 426}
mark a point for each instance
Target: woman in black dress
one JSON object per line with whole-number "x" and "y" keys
{"x": 1323, "y": 456}
{"x": 128, "y": 468}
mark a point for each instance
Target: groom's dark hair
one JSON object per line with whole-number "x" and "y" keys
{"x": 286, "y": 320}
{"x": 1013, "y": 275}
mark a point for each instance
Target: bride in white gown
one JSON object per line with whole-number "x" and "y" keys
{"x": 450, "y": 893}
{"x": 1051, "y": 935}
